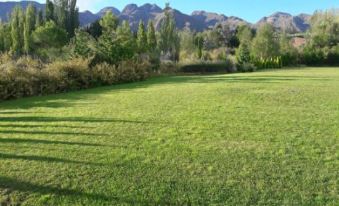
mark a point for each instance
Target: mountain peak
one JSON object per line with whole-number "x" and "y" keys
{"x": 103, "y": 11}
{"x": 130, "y": 8}
{"x": 281, "y": 14}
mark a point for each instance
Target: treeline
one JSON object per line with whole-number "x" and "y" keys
{"x": 47, "y": 52}
{"x": 32, "y": 31}
{"x": 56, "y": 56}
{"x": 249, "y": 49}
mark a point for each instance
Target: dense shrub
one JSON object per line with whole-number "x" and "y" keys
{"x": 268, "y": 63}
{"x": 28, "y": 77}
{"x": 69, "y": 75}
{"x": 246, "y": 67}
{"x": 208, "y": 67}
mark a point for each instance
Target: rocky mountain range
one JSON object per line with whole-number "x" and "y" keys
{"x": 198, "y": 20}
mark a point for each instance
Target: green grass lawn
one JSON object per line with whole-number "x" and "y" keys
{"x": 266, "y": 138}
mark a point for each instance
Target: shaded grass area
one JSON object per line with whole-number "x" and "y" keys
{"x": 266, "y": 138}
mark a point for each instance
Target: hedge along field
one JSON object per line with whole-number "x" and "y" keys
{"x": 267, "y": 138}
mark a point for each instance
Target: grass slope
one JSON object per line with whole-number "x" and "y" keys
{"x": 267, "y": 138}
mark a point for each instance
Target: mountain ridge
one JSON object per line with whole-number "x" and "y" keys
{"x": 197, "y": 20}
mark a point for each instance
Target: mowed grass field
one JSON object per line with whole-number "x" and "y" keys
{"x": 265, "y": 138}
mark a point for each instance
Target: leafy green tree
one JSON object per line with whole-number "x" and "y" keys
{"x": 95, "y": 29}
{"x": 324, "y": 31}
{"x": 72, "y": 17}
{"x": 169, "y": 41}
{"x": 287, "y": 51}
{"x": 49, "y": 35}
{"x": 5, "y": 37}
{"x": 49, "y": 10}
{"x": 265, "y": 44}
{"x": 126, "y": 40}
{"x": 187, "y": 41}
{"x": 60, "y": 10}
{"x": 29, "y": 27}
{"x": 141, "y": 38}
{"x": 243, "y": 54}
{"x": 244, "y": 34}
{"x": 2, "y": 37}
{"x": 199, "y": 43}
{"x": 17, "y": 27}
{"x": 151, "y": 37}
{"x": 114, "y": 46}
{"x": 84, "y": 45}
{"x": 39, "y": 20}
{"x": 109, "y": 22}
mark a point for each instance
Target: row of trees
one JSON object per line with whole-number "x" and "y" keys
{"x": 108, "y": 40}
{"x": 266, "y": 45}
{"x": 112, "y": 42}
{"x": 31, "y": 29}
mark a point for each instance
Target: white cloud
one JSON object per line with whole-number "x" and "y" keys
{"x": 88, "y": 4}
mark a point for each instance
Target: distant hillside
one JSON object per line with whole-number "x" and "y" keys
{"x": 198, "y": 20}
{"x": 287, "y": 22}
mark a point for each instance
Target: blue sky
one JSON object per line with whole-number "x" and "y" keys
{"x": 250, "y": 10}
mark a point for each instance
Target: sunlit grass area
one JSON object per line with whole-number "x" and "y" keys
{"x": 267, "y": 138}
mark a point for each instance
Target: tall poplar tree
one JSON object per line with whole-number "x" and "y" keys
{"x": 141, "y": 37}
{"x": 17, "y": 27}
{"x": 169, "y": 42}
{"x": 29, "y": 27}
{"x": 151, "y": 37}
{"x": 49, "y": 11}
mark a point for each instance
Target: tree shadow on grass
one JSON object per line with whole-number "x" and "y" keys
{"x": 70, "y": 119}
{"x": 50, "y": 133}
{"x": 52, "y": 142}
{"x": 28, "y": 187}
{"x": 43, "y": 126}
{"x": 45, "y": 159}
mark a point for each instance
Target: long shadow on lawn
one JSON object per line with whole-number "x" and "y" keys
{"x": 43, "y": 126}
{"x": 50, "y": 133}
{"x": 44, "y": 159}
{"x": 70, "y": 119}
{"x": 27, "y": 187}
{"x": 40, "y": 141}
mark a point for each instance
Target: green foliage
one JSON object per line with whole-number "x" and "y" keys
{"x": 267, "y": 138}
{"x": 39, "y": 20}
{"x": 243, "y": 53}
{"x": 323, "y": 39}
{"x": 169, "y": 41}
{"x": 17, "y": 27}
{"x": 208, "y": 67}
{"x": 109, "y": 22}
{"x": 95, "y": 29}
{"x": 29, "y": 28}
{"x": 244, "y": 34}
{"x": 288, "y": 53}
{"x": 199, "y": 44}
{"x": 151, "y": 37}
{"x": 268, "y": 63}
{"x": 2, "y": 37}
{"x": 29, "y": 77}
{"x": 49, "y": 11}
{"x": 142, "y": 38}
{"x": 126, "y": 41}
{"x": 246, "y": 67}
{"x": 66, "y": 15}
{"x": 265, "y": 44}
{"x": 115, "y": 46}
{"x": 83, "y": 44}
{"x": 50, "y": 35}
